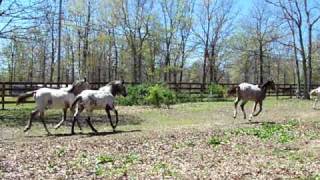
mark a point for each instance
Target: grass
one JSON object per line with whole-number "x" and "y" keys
{"x": 283, "y": 133}
{"x": 169, "y": 143}
{"x": 186, "y": 115}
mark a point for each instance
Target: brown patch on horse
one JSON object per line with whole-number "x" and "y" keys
{"x": 92, "y": 101}
{"x": 78, "y": 87}
{"x": 66, "y": 104}
{"x": 50, "y": 102}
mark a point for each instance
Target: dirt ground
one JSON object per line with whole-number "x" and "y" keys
{"x": 187, "y": 141}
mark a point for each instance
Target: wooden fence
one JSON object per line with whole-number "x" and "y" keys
{"x": 12, "y": 89}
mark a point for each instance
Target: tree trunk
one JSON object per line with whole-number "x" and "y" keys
{"x": 79, "y": 54}
{"x": 182, "y": 63}
{"x": 72, "y": 62}
{"x": 59, "y": 42}
{"x": 86, "y": 43}
{"x": 31, "y": 65}
{"x": 43, "y": 74}
{"x": 52, "y": 51}
{"x": 204, "y": 74}
{"x": 309, "y": 57}
{"x": 296, "y": 61}
{"x": 115, "y": 55}
{"x": 261, "y": 62}
{"x": 167, "y": 66}
{"x": 304, "y": 65}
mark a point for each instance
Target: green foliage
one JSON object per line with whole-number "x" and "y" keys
{"x": 136, "y": 95}
{"x": 282, "y": 132}
{"x": 215, "y": 141}
{"x": 217, "y": 90}
{"x": 148, "y": 94}
{"x": 131, "y": 158}
{"x": 102, "y": 159}
{"x": 61, "y": 152}
{"x": 159, "y": 94}
{"x": 165, "y": 169}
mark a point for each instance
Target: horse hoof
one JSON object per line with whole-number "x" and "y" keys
{"x": 26, "y": 129}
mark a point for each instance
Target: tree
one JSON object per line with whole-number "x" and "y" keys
{"x": 293, "y": 11}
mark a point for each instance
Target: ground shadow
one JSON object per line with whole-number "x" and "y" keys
{"x": 90, "y": 134}
{"x": 20, "y": 117}
{"x": 259, "y": 122}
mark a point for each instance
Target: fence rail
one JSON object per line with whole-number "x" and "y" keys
{"x": 12, "y": 89}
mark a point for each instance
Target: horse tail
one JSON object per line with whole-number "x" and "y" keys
{"x": 233, "y": 91}
{"x": 22, "y": 97}
{"x": 78, "y": 98}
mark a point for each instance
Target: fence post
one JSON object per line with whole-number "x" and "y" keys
{"x": 277, "y": 91}
{"x": 3, "y": 91}
{"x": 290, "y": 91}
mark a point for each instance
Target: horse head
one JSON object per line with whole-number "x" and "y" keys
{"x": 117, "y": 87}
{"x": 270, "y": 84}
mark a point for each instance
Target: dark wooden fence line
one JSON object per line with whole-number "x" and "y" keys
{"x": 12, "y": 89}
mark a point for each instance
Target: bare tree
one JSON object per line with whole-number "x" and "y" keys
{"x": 292, "y": 10}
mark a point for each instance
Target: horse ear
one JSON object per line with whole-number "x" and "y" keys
{"x": 121, "y": 80}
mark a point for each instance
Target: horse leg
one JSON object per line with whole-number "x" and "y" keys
{"x": 79, "y": 125}
{"x": 315, "y": 103}
{"x": 91, "y": 126}
{"x": 75, "y": 117}
{"x": 260, "y": 109}
{"x": 235, "y": 107}
{"x": 253, "y": 110}
{"x": 32, "y": 116}
{"x": 242, "y": 108}
{"x": 44, "y": 124}
{"x": 117, "y": 119}
{"x": 64, "y": 116}
{"x": 109, "y": 117}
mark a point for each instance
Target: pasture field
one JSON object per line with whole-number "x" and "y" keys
{"x": 187, "y": 141}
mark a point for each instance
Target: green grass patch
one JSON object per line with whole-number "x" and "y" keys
{"x": 164, "y": 169}
{"x": 283, "y": 133}
{"x": 215, "y": 141}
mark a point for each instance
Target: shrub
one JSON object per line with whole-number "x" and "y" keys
{"x": 136, "y": 95}
{"x": 217, "y": 90}
{"x": 159, "y": 94}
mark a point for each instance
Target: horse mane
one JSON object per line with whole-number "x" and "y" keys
{"x": 114, "y": 86}
{"x": 265, "y": 84}
{"x": 75, "y": 87}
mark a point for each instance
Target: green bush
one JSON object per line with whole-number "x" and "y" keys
{"x": 135, "y": 95}
{"x": 159, "y": 94}
{"x": 217, "y": 90}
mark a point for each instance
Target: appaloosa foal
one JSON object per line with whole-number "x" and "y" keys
{"x": 48, "y": 98}
{"x": 249, "y": 92}
{"x": 315, "y": 92}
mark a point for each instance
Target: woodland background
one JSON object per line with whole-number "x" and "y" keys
{"x": 141, "y": 41}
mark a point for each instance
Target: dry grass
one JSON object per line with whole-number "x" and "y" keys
{"x": 188, "y": 141}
